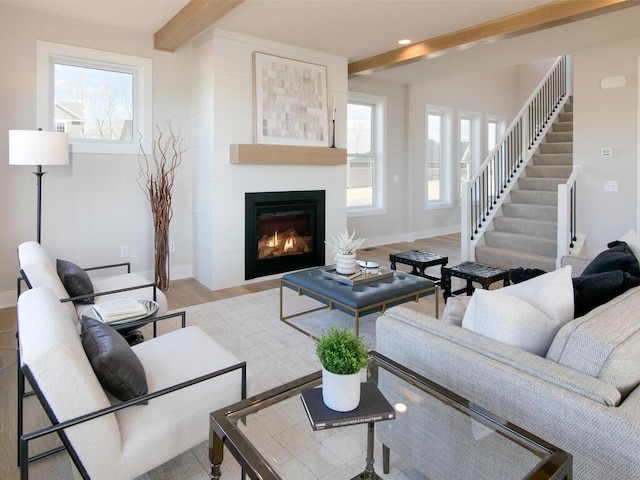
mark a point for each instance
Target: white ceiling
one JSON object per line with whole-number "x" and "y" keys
{"x": 357, "y": 29}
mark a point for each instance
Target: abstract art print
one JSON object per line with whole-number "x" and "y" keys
{"x": 290, "y": 101}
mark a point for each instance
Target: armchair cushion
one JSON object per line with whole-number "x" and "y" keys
{"x": 75, "y": 280}
{"x": 118, "y": 369}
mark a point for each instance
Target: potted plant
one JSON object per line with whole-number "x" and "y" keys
{"x": 343, "y": 356}
{"x": 344, "y": 251}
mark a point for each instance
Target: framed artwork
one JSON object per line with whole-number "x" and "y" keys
{"x": 290, "y": 101}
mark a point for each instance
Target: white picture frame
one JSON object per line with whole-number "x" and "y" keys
{"x": 290, "y": 101}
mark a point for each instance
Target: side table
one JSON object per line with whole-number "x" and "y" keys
{"x": 127, "y": 327}
{"x": 419, "y": 261}
{"x": 485, "y": 275}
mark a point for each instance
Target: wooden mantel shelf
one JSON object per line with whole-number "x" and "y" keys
{"x": 265, "y": 154}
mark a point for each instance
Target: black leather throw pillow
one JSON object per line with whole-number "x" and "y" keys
{"x": 115, "y": 364}
{"x": 618, "y": 257}
{"x": 590, "y": 291}
{"x": 75, "y": 280}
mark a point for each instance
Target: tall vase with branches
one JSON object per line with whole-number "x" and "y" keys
{"x": 156, "y": 179}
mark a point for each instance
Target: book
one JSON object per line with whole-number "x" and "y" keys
{"x": 119, "y": 309}
{"x": 373, "y": 408}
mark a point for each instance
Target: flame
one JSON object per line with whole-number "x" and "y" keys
{"x": 289, "y": 244}
{"x": 273, "y": 241}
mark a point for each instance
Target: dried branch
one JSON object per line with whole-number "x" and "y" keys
{"x": 156, "y": 179}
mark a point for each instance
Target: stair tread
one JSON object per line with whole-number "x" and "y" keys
{"x": 511, "y": 259}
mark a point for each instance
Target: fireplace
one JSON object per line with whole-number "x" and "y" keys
{"x": 284, "y": 231}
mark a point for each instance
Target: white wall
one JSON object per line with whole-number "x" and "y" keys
{"x": 93, "y": 206}
{"x": 606, "y": 118}
{"x": 223, "y": 114}
{"x": 406, "y": 218}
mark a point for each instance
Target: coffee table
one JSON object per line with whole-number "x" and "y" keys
{"x": 356, "y": 300}
{"x": 270, "y": 436}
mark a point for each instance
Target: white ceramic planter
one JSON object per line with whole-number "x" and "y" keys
{"x": 346, "y": 264}
{"x": 340, "y": 392}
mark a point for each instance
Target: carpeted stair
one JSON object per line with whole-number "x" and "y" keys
{"x": 525, "y": 235}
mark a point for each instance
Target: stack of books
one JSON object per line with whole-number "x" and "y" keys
{"x": 121, "y": 309}
{"x": 373, "y": 408}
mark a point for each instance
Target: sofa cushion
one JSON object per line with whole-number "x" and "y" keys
{"x": 75, "y": 280}
{"x": 605, "y": 343}
{"x": 118, "y": 369}
{"x": 527, "y": 315}
{"x": 617, "y": 257}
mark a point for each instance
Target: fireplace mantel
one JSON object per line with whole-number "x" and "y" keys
{"x": 259, "y": 153}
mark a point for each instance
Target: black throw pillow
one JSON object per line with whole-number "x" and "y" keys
{"x": 618, "y": 257}
{"x": 590, "y": 291}
{"x": 117, "y": 367}
{"x": 75, "y": 280}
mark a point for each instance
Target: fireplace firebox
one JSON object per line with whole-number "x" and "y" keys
{"x": 284, "y": 231}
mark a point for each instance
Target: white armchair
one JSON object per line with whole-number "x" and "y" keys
{"x": 188, "y": 375}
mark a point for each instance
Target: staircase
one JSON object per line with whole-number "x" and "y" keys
{"x": 525, "y": 235}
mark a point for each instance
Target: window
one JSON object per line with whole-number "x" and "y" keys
{"x": 439, "y": 187}
{"x": 468, "y": 144}
{"x": 365, "y": 153}
{"x": 101, "y": 99}
{"x": 495, "y": 130}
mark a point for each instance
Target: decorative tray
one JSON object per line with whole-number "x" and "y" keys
{"x": 361, "y": 279}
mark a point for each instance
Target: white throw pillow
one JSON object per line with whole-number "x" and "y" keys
{"x": 526, "y": 315}
{"x": 454, "y": 310}
{"x": 632, "y": 239}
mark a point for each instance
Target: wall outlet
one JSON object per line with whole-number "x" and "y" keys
{"x": 606, "y": 152}
{"x": 610, "y": 186}
{"x": 124, "y": 252}
{"x": 172, "y": 246}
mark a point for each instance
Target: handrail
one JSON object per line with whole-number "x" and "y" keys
{"x": 567, "y": 214}
{"x": 485, "y": 191}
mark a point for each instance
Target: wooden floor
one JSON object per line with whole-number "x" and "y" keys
{"x": 183, "y": 293}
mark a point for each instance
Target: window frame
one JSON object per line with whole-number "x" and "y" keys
{"x": 49, "y": 53}
{"x": 378, "y": 132}
{"x": 448, "y": 167}
{"x": 501, "y": 123}
{"x": 475, "y": 142}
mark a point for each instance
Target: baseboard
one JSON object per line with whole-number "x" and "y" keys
{"x": 410, "y": 237}
{"x": 8, "y": 299}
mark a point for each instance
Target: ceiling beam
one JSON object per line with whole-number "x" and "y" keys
{"x": 196, "y": 16}
{"x": 549, "y": 15}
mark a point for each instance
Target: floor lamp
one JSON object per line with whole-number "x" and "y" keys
{"x": 35, "y": 147}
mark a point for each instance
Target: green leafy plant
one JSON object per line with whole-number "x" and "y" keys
{"x": 341, "y": 352}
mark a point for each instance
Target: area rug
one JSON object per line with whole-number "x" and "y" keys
{"x": 250, "y": 327}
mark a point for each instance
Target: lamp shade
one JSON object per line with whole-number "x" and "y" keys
{"x": 35, "y": 147}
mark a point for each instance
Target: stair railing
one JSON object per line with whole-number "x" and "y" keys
{"x": 567, "y": 234}
{"x": 486, "y": 190}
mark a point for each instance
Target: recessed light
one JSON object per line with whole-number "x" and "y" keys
{"x": 404, "y": 41}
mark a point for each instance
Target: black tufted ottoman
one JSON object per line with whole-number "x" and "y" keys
{"x": 355, "y": 300}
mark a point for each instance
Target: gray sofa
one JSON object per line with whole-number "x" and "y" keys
{"x": 582, "y": 396}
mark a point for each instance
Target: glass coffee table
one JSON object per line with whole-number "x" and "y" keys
{"x": 436, "y": 435}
